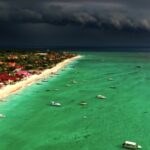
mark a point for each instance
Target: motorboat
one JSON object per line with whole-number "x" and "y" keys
{"x": 131, "y": 145}
{"x": 2, "y": 116}
{"x": 74, "y": 81}
{"x": 110, "y": 79}
{"x": 113, "y": 87}
{"x": 83, "y": 103}
{"x": 56, "y": 89}
{"x": 101, "y": 97}
{"x": 53, "y": 103}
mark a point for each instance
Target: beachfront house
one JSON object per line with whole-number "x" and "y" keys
{"x": 23, "y": 73}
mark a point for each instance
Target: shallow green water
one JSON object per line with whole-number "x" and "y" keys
{"x": 31, "y": 124}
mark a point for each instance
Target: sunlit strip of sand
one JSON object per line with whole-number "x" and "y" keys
{"x": 10, "y": 89}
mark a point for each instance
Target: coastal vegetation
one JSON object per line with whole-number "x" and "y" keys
{"x": 15, "y": 66}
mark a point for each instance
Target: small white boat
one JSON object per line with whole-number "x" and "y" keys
{"x": 53, "y": 103}
{"x": 110, "y": 79}
{"x": 101, "y": 97}
{"x": 56, "y": 89}
{"x": 83, "y": 103}
{"x": 2, "y": 116}
{"x": 74, "y": 81}
{"x": 131, "y": 145}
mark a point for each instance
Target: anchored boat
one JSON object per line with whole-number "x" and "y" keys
{"x": 53, "y": 103}
{"x": 2, "y": 116}
{"x": 83, "y": 103}
{"x": 101, "y": 97}
{"x": 131, "y": 145}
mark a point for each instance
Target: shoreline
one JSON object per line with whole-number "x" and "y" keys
{"x": 11, "y": 89}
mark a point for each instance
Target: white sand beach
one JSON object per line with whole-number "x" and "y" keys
{"x": 11, "y": 89}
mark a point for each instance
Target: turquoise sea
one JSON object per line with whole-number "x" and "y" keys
{"x": 32, "y": 124}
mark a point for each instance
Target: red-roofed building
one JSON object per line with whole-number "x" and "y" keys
{"x": 12, "y": 64}
{"x": 1, "y": 63}
{"x": 23, "y": 73}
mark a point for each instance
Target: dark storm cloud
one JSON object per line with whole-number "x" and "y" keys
{"x": 92, "y": 13}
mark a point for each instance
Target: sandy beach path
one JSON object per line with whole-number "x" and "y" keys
{"x": 11, "y": 89}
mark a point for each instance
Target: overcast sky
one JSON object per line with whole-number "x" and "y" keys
{"x": 74, "y": 23}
